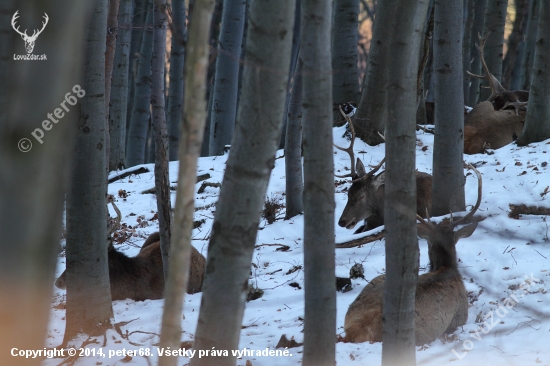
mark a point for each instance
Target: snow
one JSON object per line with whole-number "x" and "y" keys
{"x": 494, "y": 262}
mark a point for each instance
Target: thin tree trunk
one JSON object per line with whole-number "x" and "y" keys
{"x": 226, "y": 80}
{"x": 119, "y": 88}
{"x": 345, "y": 86}
{"x": 475, "y": 68}
{"x": 530, "y": 43}
{"x": 537, "y": 120}
{"x": 466, "y": 46}
{"x": 112, "y": 31}
{"x": 398, "y": 347}
{"x": 320, "y": 297}
{"x": 514, "y": 39}
{"x": 192, "y": 126}
{"x": 33, "y": 179}
{"x": 205, "y": 147}
{"x": 371, "y": 111}
{"x": 515, "y": 80}
{"x": 495, "y": 20}
{"x": 141, "y": 113}
{"x": 160, "y": 134}
{"x": 175, "y": 94}
{"x": 89, "y": 307}
{"x": 293, "y": 150}
{"x": 246, "y": 176}
{"x": 448, "y": 176}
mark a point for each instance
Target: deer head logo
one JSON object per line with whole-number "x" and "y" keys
{"x": 29, "y": 40}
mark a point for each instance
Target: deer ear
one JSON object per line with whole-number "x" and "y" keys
{"x": 466, "y": 231}
{"x": 360, "y": 168}
{"x": 379, "y": 180}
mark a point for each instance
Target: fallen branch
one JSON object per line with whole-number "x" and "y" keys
{"x": 137, "y": 171}
{"x": 208, "y": 184}
{"x": 517, "y": 210}
{"x": 361, "y": 241}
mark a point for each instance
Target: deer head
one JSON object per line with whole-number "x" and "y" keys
{"x": 363, "y": 194}
{"x": 29, "y": 40}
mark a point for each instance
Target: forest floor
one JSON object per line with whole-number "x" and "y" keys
{"x": 501, "y": 255}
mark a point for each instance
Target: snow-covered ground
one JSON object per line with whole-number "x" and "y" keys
{"x": 500, "y": 256}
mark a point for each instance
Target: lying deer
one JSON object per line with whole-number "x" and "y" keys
{"x": 366, "y": 194}
{"x": 441, "y": 303}
{"x": 490, "y": 123}
{"x": 141, "y": 277}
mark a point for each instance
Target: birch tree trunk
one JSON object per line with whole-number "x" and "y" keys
{"x": 160, "y": 133}
{"x": 34, "y": 179}
{"x": 89, "y": 307}
{"x": 537, "y": 120}
{"x": 192, "y": 126}
{"x": 398, "y": 347}
{"x": 320, "y": 297}
{"x": 119, "y": 88}
{"x": 137, "y": 134}
{"x": 226, "y": 80}
{"x": 448, "y": 177}
{"x": 249, "y": 165}
{"x": 495, "y": 20}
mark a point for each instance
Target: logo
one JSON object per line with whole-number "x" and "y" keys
{"x": 29, "y": 40}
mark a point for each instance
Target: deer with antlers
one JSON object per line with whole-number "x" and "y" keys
{"x": 366, "y": 194}
{"x": 141, "y": 277}
{"x": 29, "y": 40}
{"x": 441, "y": 302}
{"x": 491, "y": 124}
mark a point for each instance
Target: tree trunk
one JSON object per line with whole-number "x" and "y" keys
{"x": 192, "y": 127}
{"x": 175, "y": 94}
{"x": 345, "y": 86}
{"x": 514, "y": 39}
{"x": 89, "y": 307}
{"x": 537, "y": 120}
{"x": 371, "y": 111}
{"x": 319, "y": 279}
{"x": 119, "y": 88}
{"x": 466, "y": 46}
{"x": 293, "y": 150}
{"x": 530, "y": 43}
{"x": 112, "y": 31}
{"x": 246, "y": 177}
{"x": 226, "y": 81}
{"x": 475, "y": 68}
{"x": 160, "y": 134}
{"x": 398, "y": 347}
{"x": 137, "y": 134}
{"x": 448, "y": 176}
{"x": 495, "y": 20}
{"x": 33, "y": 181}
{"x": 515, "y": 80}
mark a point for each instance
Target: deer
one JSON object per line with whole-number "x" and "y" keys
{"x": 142, "y": 277}
{"x": 366, "y": 194}
{"x": 491, "y": 124}
{"x": 441, "y": 302}
{"x": 29, "y": 40}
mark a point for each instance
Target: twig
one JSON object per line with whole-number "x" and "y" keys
{"x": 137, "y": 171}
{"x": 364, "y": 240}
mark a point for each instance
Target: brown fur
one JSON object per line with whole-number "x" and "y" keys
{"x": 142, "y": 277}
{"x": 485, "y": 125}
{"x": 366, "y": 201}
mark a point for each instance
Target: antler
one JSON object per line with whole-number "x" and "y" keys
{"x": 470, "y": 214}
{"x": 13, "y": 19}
{"x": 36, "y": 33}
{"x": 349, "y": 150}
{"x": 115, "y": 226}
{"x": 494, "y": 84}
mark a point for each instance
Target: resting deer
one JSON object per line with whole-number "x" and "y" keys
{"x": 490, "y": 123}
{"x": 141, "y": 277}
{"x": 366, "y": 194}
{"x": 441, "y": 303}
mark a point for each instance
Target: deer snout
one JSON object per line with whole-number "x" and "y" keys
{"x": 60, "y": 282}
{"x": 348, "y": 224}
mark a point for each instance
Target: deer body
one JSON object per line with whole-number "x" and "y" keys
{"x": 441, "y": 300}
{"x": 141, "y": 277}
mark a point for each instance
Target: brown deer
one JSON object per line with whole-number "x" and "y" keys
{"x": 141, "y": 277}
{"x": 366, "y": 194}
{"x": 441, "y": 303}
{"x": 490, "y": 124}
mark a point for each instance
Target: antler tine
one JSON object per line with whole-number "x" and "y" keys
{"x": 470, "y": 214}
{"x": 494, "y": 84}
{"x": 349, "y": 150}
